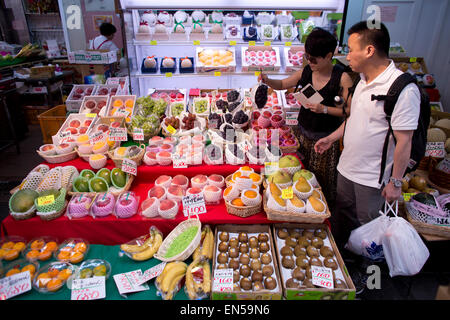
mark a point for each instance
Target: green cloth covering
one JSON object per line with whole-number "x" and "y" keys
{"x": 118, "y": 265}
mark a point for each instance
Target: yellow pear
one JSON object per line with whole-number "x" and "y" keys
{"x": 316, "y": 204}
{"x": 302, "y": 185}
{"x": 274, "y": 190}
{"x": 280, "y": 201}
{"x": 297, "y": 202}
{"x": 316, "y": 194}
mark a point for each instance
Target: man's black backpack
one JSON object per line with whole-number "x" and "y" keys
{"x": 419, "y": 139}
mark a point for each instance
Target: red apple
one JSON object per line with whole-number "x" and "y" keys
{"x": 103, "y": 201}
{"x": 179, "y": 95}
{"x": 72, "y": 130}
{"x": 74, "y": 123}
{"x": 115, "y": 124}
{"x": 289, "y": 142}
{"x": 151, "y": 155}
{"x": 256, "y": 115}
{"x": 79, "y": 91}
{"x": 101, "y": 104}
{"x": 83, "y": 130}
{"x": 173, "y": 95}
{"x": 276, "y": 118}
{"x": 125, "y": 202}
{"x": 87, "y": 123}
{"x": 267, "y": 114}
{"x": 90, "y": 104}
{"x": 47, "y": 147}
{"x": 102, "y": 127}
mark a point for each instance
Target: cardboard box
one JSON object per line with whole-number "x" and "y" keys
{"x": 200, "y": 67}
{"x": 246, "y": 67}
{"x": 316, "y": 293}
{"x": 57, "y": 138}
{"x": 84, "y": 70}
{"x": 42, "y": 72}
{"x": 92, "y": 57}
{"x": 75, "y": 104}
{"x": 265, "y": 294}
{"x": 440, "y": 115}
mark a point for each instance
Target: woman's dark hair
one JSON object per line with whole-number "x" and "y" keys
{"x": 377, "y": 37}
{"x": 107, "y": 29}
{"x": 319, "y": 43}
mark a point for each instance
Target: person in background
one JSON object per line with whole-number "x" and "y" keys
{"x": 104, "y": 40}
{"x": 316, "y": 121}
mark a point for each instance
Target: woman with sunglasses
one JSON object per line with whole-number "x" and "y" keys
{"x": 316, "y": 121}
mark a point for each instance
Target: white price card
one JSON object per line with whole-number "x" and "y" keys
{"x": 151, "y": 273}
{"x": 270, "y": 167}
{"x": 121, "y": 113}
{"x": 322, "y": 277}
{"x": 435, "y": 150}
{"x": 223, "y": 280}
{"x": 193, "y": 204}
{"x": 178, "y": 161}
{"x": 129, "y": 282}
{"x": 96, "y": 137}
{"x": 88, "y": 289}
{"x": 118, "y": 134}
{"x": 129, "y": 166}
{"x": 138, "y": 134}
{"x": 15, "y": 285}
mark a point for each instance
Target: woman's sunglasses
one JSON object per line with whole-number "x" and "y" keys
{"x": 310, "y": 58}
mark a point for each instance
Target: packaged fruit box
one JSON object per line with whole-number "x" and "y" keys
{"x": 106, "y": 89}
{"x": 122, "y": 82}
{"x": 249, "y": 251}
{"x": 274, "y": 98}
{"x": 94, "y": 104}
{"x": 300, "y": 246}
{"x": 20, "y": 266}
{"x": 93, "y": 268}
{"x": 122, "y": 106}
{"x": 170, "y": 95}
{"x": 213, "y": 59}
{"x": 76, "y": 124}
{"x": 294, "y": 58}
{"x": 260, "y": 58}
{"x": 41, "y": 248}
{"x": 72, "y": 250}
{"x": 79, "y": 91}
{"x": 11, "y": 247}
{"x": 53, "y": 276}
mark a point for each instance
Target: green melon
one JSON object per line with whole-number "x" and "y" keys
{"x": 81, "y": 184}
{"x": 87, "y": 174}
{"x": 98, "y": 184}
{"x": 22, "y": 200}
{"x": 118, "y": 178}
{"x": 105, "y": 173}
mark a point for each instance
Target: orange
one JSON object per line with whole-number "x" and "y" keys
{"x": 129, "y": 103}
{"x": 45, "y": 255}
{"x": 8, "y": 245}
{"x": 246, "y": 168}
{"x": 2, "y": 252}
{"x": 255, "y": 177}
{"x": 42, "y": 279}
{"x": 250, "y": 194}
{"x": 51, "y": 246}
{"x": 37, "y": 244}
{"x": 237, "y": 174}
{"x": 54, "y": 284}
{"x": 118, "y": 103}
{"x": 238, "y": 202}
{"x": 11, "y": 254}
{"x": 227, "y": 191}
{"x": 19, "y": 246}
{"x": 67, "y": 248}
{"x": 32, "y": 254}
{"x": 80, "y": 247}
{"x": 29, "y": 267}
{"x": 76, "y": 257}
{"x": 64, "y": 255}
{"x": 64, "y": 274}
{"x": 12, "y": 272}
{"x": 52, "y": 272}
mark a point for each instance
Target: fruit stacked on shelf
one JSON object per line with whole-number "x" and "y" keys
{"x": 144, "y": 247}
{"x": 93, "y": 268}
{"x": 94, "y": 104}
{"x": 122, "y": 106}
{"x": 53, "y": 276}
{"x": 260, "y": 57}
{"x": 11, "y": 247}
{"x": 243, "y": 188}
{"x": 19, "y": 266}
{"x": 41, "y": 248}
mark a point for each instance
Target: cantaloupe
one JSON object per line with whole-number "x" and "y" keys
{"x": 443, "y": 123}
{"x": 436, "y": 135}
{"x": 447, "y": 145}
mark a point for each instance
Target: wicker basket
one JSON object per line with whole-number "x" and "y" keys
{"x": 59, "y": 158}
{"x": 114, "y": 191}
{"x": 305, "y": 217}
{"x": 52, "y": 216}
{"x": 190, "y": 222}
{"x": 24, "y": 216}
{"x": 243, "y": 212}
{"x": 290, "y": 149}
{"x": 438, "y": 177}
{"x": 426, "y": 228}
{"x": 137, "y": 158}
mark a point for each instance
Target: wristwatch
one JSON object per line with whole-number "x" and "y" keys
{"x": 396, "y": 182}
{"x": 325, "y": 109}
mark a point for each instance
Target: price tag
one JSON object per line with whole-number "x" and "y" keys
{"x": 168, "y": 74}
{"x": 42, "y": 201}
{"x": 257, "y": 73}
{"x": 121, "y": 113}
{"x": 223, "y": 280}
{"x": 270, "y": 167}
{"x": 435, "y": 150}
{"x": 413, "y": 59}
{"x": 151, "y": 273}
{"x": 287, "y": 193}
{"x": 233, "y": 42}
{"x": 95, "y": 137}
{"x": 153, "y": 42}
{"x": 288, "y": 44}
{"x": 444, "y": 165}
{"x": 171, "y": 129}
{"x": 15, "y": 285}
{"x": 129, "y": 166}
{"x": 407, "y": 196}
{"x": 217, "y": 73}
{"x": 322, "y": 277}
{"x": 291, "y": 122}
{"x": 118, "y": 134}
{"x": 251, "y": 43}
{"x": 267, "y": 43}
{"x": 88, "y": 289}
{"x": 196, "y": 42}
{"x": 91, "y": 115}
{"x": 128, "y": 282}
{"x": 193, "y": 204}
{"x": 178, "y": 161}
{"x": 138, "y": 134}
{"x": 65, "y": 137}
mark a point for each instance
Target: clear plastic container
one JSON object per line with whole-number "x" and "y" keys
{"x": 40, "y": 248}
{"x": 72, "y": 250}
{"x": 52, "y": 277}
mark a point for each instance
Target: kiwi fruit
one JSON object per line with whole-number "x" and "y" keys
{"x": 222, "y": 258}
{"x": 298, "y": 274}
{"x": 243, "y": 237}
{"x": 236, "y": 286}
{"x": 233, "y": 264}
{"x": 302, "y": 262}
{"x": 288, "y": 262}
{"x": 317, "y": 242}
{"x": 312, "y": 251}
{"x": 286, "y": 251}
{"x": 308, "y": 234}
{"x": 326, "y": 252}
{"x": 299, "y": 250}
{"x": 282, "y": 233}
{"x": 292, "y": 283}
{"x": 254, "y": 253}
{"x": 340, "y": 284}
{"x": 308, "y": 272}
{"x": 304, "y": 241}
{"x": 236, "y": 276}
{"x": 264, "y": 247}
{"x": 257, "y": 276}
{"x": 307, "y": 283}
{"x": 295, "y": 233}
{"x": 255, "y": 264}
{"x": 330, "y": 263}
{"x": 266, "y": 258}
{"x": 245, "y": 270}
{"x": 243, "y": 248}
{"x": 224, "y": 236}
{"x": 246, "y": 284}
{"x": 223, "y": 246}
{"x": 267, "y": 270}
{"x": 291, "y": 242}
{"x": 233, "y": 252}
{"x": 244, "y": 258}
{"x": 315, "y": 262}
{"x": 262, "y": 237}
{"x": 233, "y": 243}
{"x": 321, "y": 233}
{"x": 253, "y": 242}
{"x": 222, "y": 266}
{"x": 258, "y": 286}
{"x": 270, "y": 283}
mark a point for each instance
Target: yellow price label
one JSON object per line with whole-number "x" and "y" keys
{"x": 217, "y": 73}
{"x": 288, "y": 44}
{"x": 42, "y": 201}
{"x": 168, "y": 74}
{"x": 267, "y": 43}
{"x": 407, "y": 196}
{"x": 257, "y": 73}
{"x": 153, "y": 42}
{"x": 287, "y": 193}
{"x": 171, "y": 129}
{"x": 196, "y": 42}
{"x": 252, "y": 43}
{"x": 413, "y": 59}
{"x": 233, "y": 42}
{"x": 91, "y": 115}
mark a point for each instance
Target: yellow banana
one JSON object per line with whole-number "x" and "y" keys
{"x": 173, "y": 284}
{"x": 134, "y": 248}
{"x": 175, "y": 272}
{"x": 206, "y": 277}
{"x": 210, "y": 250}
{"x": 151, "y": 250}
{"x": 167, "y": 268}
{"x": 198, "y": 250}
{"x": 190, "y": 281}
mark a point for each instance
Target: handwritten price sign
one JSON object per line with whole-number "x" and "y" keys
{"x": 138, "y": 134}
{"x": 96, "y": 137}
{"x": 129, "y": 282}
{"x": 193, "y": 204}
{"x": 88, "y": 289}
{"x": 15, "y": 285}
{"x": 152, "y": 273}
{"x": 129, "y": 166}
{"x": 322, "y": 277}
{"x": 223, "y": 280}
{"x": 118, "y": 134}
{"x": 435, "y": 150}
{"x": 178, "y": 161}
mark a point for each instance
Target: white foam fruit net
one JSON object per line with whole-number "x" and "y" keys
{"x": 52, "y": 180}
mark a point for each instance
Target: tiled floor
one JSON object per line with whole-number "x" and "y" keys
{"x": 423, "y": 286}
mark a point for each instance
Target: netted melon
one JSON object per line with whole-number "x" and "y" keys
{"x": 22, "y": 200}
{"x": 447, "y": 145}
{"x": 436, "y": 135}
{"x": 443, "y": 123}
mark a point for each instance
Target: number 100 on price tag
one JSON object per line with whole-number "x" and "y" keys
{"x": 193, "y": 204}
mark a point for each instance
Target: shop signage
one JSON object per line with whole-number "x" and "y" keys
{"x": 267, "y": 43}
{"x": 95, "y": 137}
{"x": 233, "y": 42}
{"x": 15, "y": 285}
{"x": 270, "y": 167}
{"x": 178, "y": 161}
{"x": 193, "y": 204}
{"x": 43, "y": 201}
{"x": 287, "y": 193}
{"x": 88, "y": 289}
{"x": 288, "y": 44}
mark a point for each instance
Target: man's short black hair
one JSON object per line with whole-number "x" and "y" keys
{"x": 107, "y": 29}
{"x": 377, "y": 37}
{"x": 320, "y": 42}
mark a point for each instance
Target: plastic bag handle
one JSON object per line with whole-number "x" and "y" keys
{"x": 393, "y": 208}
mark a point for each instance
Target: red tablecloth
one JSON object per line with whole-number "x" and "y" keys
{"x": 111, "y": 230}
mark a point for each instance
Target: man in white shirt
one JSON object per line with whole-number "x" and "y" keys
{"x": 104, "y": 40}
{"x": 360, "y": 196}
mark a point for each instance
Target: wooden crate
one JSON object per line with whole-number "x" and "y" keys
{"x": 32, "y": 113}
{"x": 51, "y": 121}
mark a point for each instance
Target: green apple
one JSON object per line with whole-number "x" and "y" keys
{"x": 280, "y": 177}
{"x": 288, "y": 161}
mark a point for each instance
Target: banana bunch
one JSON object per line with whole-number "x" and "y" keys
{"x": 167, "y": 282}
{"x": 146, "y": 250}
{"x": 206, "y": 246}
{"x": 198, "y": 279}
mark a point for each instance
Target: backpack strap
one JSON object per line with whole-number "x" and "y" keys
{"x": 306, "y": 76}
{"x": 390, "y": 100}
